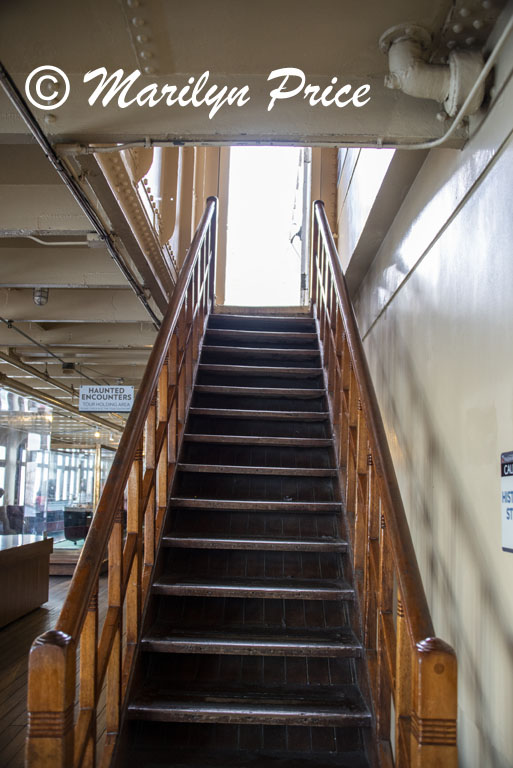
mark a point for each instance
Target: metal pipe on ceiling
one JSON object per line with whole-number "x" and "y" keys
{"x": 28, "y": 118}
{"x": 11, "y": 325}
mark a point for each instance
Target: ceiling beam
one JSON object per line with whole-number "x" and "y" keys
{"x": 88, "y": 335}
{"x": 80, "y": 305}
{"x": 58, "y": 267}
{"x": 40, "y": 209}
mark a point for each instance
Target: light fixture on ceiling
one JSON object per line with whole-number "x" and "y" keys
{"x": 97, "y": 434}
{"x": 40, "y": 296}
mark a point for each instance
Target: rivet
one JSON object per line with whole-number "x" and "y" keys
{"x": 149, "y": 70}
{"x": 451, "y": 43}
{"x": 477, "y": 24}
{"x": 146, "y": 55}
{"x": 133, "y": 3}
{"x": 142, "y": 38}
{"x": 470, "y": 40}
{"x": 50, "y": 118}
{"x": 457, "y": 28}
{"x": 486, "y": 4}
{"x": 441, "y": 116}
{"x": 464, "y": 12}
{"x": 137, "y": 21}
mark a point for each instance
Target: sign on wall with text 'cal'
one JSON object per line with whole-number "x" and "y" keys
{"x": 96, "y": 399}
{"x": 507, "y": 500}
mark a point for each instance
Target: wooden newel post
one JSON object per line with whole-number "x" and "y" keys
{"x": 433, "y": 721}
{"x": 51, "y": 698}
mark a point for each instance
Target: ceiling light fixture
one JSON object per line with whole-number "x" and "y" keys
{"x": 40, "y": 296}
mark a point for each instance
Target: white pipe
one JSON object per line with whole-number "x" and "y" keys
{"x": 410, "y": 73}
{"x": 61, "y": 242}
{"x": 305, "y": 224}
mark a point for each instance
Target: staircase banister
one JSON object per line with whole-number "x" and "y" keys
{"x": 410, "y": 581}
{"x": 88, "y": 566}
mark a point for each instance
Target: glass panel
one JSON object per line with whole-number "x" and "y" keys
{"x": 25, "y": 428}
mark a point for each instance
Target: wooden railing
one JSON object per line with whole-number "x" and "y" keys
{"x": 412, "y": 673}
{"x": 63, "y": 706}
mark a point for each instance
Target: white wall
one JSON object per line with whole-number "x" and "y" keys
{"x": 436, "y": 313}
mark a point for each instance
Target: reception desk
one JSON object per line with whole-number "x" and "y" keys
{"x": 24, "y": 574}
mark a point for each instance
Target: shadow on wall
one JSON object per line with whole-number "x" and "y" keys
{"x": 450, "y": 554}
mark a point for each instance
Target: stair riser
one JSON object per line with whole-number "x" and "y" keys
{"x": 255, "y": 455}
{"x": 261, "y": 339}
{"x": 281, "y": 358}
{"x": 254, "y": 323}
{"x": 255, "y": 615}
{"x": 283, "y": 748}
{"x": 234, "y": 378}
{"x": 259, "y": 427}
{"x": 241, "y": 402}
{"x": 255, "y": 487}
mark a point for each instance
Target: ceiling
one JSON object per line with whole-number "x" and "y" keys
{"x": 92, "y": 317}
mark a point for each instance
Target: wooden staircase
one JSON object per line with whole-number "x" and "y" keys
{"x": 250, "y": 653}
{"x": 251, "y": 620}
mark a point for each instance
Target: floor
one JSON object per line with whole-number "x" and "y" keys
{"x": 15, "y": 642}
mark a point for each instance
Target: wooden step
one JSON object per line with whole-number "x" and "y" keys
{"x": 259, "y": 543}
{"x": 281, "y": 392}
{"x": 256, "y": 506}
{"x": 232, "y": 413}
{"x": 337, "y": 706}
{"x": 259, "y": 370}
{"x": 269, "y": 588}
{"x": 257, "y": 352}
{"x": 340, "y": 643}
{"x": 248, "y": 470}
{"x": 299, "y": 442}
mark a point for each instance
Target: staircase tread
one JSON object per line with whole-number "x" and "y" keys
{"x": 333, "y": 704}
{"x": 279, "y": 506}
{"x": 299, "y": 442}
{"x": 233, "y": 413}
{"x": 236, "y": 332}
{"x": 149, "y": 757}
{"x": 341, "y": 640}
{"x": 172, "y": 583}
{"x": 256, "y": 542}
{"x": 238, "y": 469}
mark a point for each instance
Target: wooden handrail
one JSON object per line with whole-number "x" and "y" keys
{"x": 143, "y": 468}
{"x": 406, "y": 661}
{"x": 412, "y": 588}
